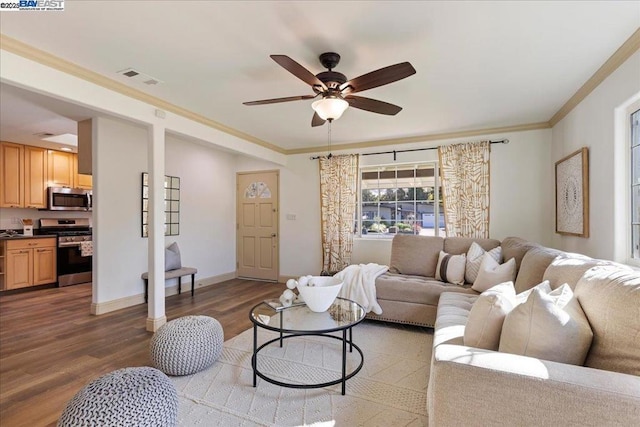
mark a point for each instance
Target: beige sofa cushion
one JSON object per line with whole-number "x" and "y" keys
{"x": 487, "y": 315}
{"x": 415, "y": 289}
{"x": 516, "y": 248}
{"x": 415, "y": 255}
{"x": 610, "y": 297}
{"x": 549, "y": 326}
{"x": 533, "y": 265}
{"x": 569, "y": 270}
{"x": 461, "y": 245}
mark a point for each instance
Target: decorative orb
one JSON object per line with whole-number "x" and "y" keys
{"x": 302, "y": 281}
{"x": 322, "y": 294}
{"x": 291, "y": 284}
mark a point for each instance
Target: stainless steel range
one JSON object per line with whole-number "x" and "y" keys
{"x": 75, "y": 248}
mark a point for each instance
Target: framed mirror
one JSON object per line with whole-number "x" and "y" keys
{"x": 171, "y": 205}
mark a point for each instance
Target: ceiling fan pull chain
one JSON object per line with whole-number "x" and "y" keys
{"x": 329, "y": 140}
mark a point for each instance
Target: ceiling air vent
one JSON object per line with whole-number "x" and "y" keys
{"x": 42, "y": 135}
{"x": 139, "y": 77}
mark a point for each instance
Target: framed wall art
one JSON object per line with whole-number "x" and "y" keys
{"x": 572, "y": 194}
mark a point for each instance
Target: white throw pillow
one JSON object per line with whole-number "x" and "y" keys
{"x": 484, "y": 324}
{"x": 450, "y": 268}
{"x": 492, "y": 273}
{"x": 522, "y": 297}
{"x": 550, "y": 326}
{"x": 474, "y": 259}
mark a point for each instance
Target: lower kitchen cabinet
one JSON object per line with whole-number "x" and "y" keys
{"x": 28, "y": 262}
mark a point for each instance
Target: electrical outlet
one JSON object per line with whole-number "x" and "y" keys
{"x": 291, "y": 216}
{"x": 15, "y": 220}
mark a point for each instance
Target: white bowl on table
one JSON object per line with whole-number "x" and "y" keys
{"x": 320, "y": 292}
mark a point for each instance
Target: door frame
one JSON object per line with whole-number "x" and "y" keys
{"x": 238, "y": 195}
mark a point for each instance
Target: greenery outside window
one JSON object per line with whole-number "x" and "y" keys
{"x": 400, "y": 199}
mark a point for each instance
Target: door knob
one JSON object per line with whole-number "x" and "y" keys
{"x": 273, "y": 234}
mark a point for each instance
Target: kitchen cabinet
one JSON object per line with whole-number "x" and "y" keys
{"x": 81, "y": 180}
{"x": 35, "y": 177}
{"x": 61, "y": 171}
{"x": 28, "y": 262}
{"x": 24, "y": 176}
{"x": 11, "y": 175}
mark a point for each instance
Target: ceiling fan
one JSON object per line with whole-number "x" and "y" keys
{"x": 336, "y": 90}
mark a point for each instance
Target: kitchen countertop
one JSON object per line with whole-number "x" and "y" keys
{"x": 22, "y": 237}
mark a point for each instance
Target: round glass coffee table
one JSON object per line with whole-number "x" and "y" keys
{"x": 298, "y": 321}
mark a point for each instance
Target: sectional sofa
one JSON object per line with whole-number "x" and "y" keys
{"x": 476, "y": 386}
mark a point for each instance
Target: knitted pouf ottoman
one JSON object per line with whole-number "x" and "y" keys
{"x": 127, "y": 397}
{"x": 187, "y": 345}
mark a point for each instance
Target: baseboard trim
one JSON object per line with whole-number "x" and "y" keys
{"x": 120, "y": 303}
{"x": 283, "y": 279}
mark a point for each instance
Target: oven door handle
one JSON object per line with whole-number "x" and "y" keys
{"x": 68, "y": 244}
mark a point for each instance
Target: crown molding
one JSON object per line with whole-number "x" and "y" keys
{"x": 22, "y": 49}
{"x": 17, "y": 47}
{"x": 423, "y": 138}
{"x": 623, "y": 53}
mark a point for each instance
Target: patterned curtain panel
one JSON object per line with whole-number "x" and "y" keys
{"x": 338, "y": 189}
{"x": 464, "y": 172}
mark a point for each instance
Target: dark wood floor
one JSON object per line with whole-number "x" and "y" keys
{"x": 50, "y": 346}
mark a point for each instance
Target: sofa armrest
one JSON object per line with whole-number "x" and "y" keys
{"x": 469, "y": 386}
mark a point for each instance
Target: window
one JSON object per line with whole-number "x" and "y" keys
{"x": 400, "y": 199}
{"x": 634, "y": 138}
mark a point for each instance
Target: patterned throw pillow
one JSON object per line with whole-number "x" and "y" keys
{"x": 450, "y": 268}
{"x": 474, "y": 258}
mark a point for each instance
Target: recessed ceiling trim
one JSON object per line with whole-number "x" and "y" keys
{"x": 423, "y": 138}
{"x": 29, "y": 52}
{"x": 627, "y": 49}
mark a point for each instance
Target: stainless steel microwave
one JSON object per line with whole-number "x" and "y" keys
{"x": 69, "y": 199}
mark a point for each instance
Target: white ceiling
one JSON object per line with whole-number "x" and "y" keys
{"x": 479, "y": 64}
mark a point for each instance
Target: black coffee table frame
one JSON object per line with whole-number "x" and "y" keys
{"x": 286, "y": 334}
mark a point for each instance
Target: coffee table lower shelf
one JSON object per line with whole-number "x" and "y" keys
{"x": 342, "y": 380}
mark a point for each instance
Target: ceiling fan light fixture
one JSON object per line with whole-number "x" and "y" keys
{"x": 330, "y": 107}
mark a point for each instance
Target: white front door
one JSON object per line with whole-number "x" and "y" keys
{"x": 257, "y": 225}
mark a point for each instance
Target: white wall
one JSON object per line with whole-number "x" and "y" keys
{"x": 591, "y": 124}
{"x": 207, "y": 213}
{"x": 520, "y": 200}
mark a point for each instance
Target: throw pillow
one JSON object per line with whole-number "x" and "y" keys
{"x": 491, "y": 273}
{"x": 550, "y": 326}
{"x": 474, "y": 259}
{"x": 484, "y": 324}
{"x": 172, "y": 257}
{"x": 522, "y": 297}
{"x": 450, "y": 268}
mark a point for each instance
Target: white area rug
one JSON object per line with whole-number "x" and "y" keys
{"x": 390, "y": 390}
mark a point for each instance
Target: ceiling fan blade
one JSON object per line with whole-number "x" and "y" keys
{"x": 372, "y": 105}
{"x": 317, "y": 120}
{"x": 376, "y": 78}
{"x": 298, "y": 70}
{"x": 275, "y": 100}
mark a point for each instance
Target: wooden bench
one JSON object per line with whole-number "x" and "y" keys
{"x": 172, "y": 274}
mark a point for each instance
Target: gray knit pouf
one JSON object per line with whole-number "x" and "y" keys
{"x": 127, "y": 397}
{"x": 187, "y": 345}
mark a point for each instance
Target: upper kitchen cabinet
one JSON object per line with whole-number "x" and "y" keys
{"x": 81, "y": 180}
{"x": 35, "y": 177}
{"x": 61, "y": 169}
{"x": 12, "y": 175}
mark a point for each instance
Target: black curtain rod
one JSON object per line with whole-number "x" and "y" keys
{"x": 394, "y": 152}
